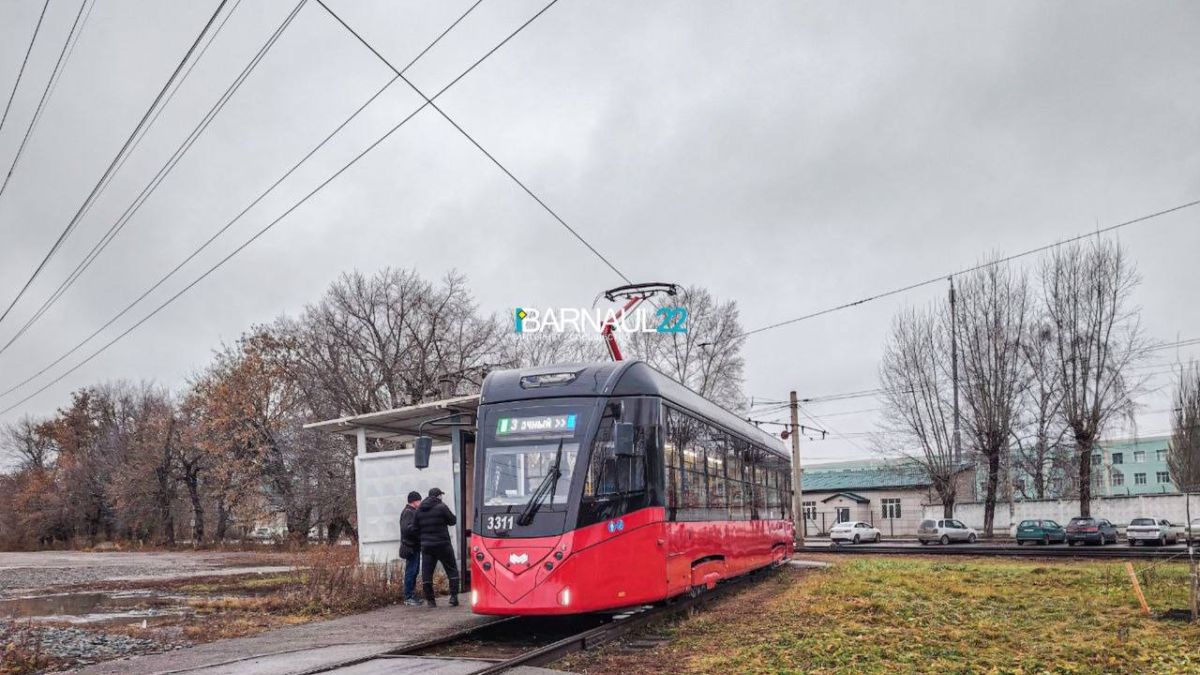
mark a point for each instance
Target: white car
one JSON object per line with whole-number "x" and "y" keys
{"x": 854, "y": 532}
{"x": 945, "y": 531}
{"x": 1152, "y": 530}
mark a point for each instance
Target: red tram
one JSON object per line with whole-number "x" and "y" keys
{"x": 609, "y": 485}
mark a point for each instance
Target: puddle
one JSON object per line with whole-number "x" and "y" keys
{"x": 95, "y": 608}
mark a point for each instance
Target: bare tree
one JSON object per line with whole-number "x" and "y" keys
{"x": 708, "y": 357}
{"x": 915, "y": 376}
{"x": 1040, "y": 433}
{"x": 23, "y": 443}
{"x": 1183, "y": 454}
{"x": 386, "y": 341}
{"x": 1086, "y": 289}
{"x": 994, "y": 306}
{"x": 524, "y": 350}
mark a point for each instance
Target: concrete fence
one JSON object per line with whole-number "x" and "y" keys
{"x": 1118, "y": 510}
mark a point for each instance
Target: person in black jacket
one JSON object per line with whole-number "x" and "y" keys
{"x": 410, "y": 548}
{"x": 432, "y": 527}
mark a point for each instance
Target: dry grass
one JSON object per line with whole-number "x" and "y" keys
{"x": 324, "y": 582}
{"x": 21, "y": 652}
{"x": 874, "y": 615}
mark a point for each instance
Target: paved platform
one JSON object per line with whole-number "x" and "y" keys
{"x": 318, "y": 645}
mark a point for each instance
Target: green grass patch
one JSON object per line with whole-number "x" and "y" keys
{"x": 918, "y": 616}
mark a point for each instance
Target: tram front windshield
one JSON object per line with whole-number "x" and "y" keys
{"x": 513, "y": 473}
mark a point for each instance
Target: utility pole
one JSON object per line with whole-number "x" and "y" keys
{"x": 954, "y": 371}
{"x": 798, "y": 518}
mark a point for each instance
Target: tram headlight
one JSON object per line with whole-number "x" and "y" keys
{"x": 564, "y": 597}
{"x": 474, "y": 597}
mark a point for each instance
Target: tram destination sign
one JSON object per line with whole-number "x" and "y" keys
{"x": 544, "y": 424}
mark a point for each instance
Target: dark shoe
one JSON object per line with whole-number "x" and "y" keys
{"x": 454, "y": 601}
{"x": 431, "y": 602}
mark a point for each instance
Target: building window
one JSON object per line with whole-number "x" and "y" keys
{"x": 1118, "y": 458}
{"x": 1118, "y": 478}
{"x": 891, "y": 507}
{"x": 810, "y": 510}
{"x": 1161, "y": 455}
{"x": 1139, "y": 479}
{"x": 1139, "y": 456}
{"x": 1096, "y": 458}
{"x": 1164, "y": 477}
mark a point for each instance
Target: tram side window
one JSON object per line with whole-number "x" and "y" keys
{"x": 695, "y": 487}
{"x": 739, "y": 490}
{"x": 714, "y": 452}
{"x": 671, "y": 457}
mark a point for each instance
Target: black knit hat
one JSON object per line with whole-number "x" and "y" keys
{"x": 414, "y": 496}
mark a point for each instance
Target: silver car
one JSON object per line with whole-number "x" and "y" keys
{"x": 1158, "y": 531}
{"x": 945, "y": 531}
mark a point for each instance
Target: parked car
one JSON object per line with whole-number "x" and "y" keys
{"x": 1091, "y": 531}
{"x": 854, "y": 532}
{"x": 1193, "y": 531}
{"x": 945, "y": 531}
{"x": 1040, "y": 531}
{"x": 1158, "y": 531}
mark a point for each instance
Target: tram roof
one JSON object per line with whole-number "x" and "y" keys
{"x": 617, "y": 378}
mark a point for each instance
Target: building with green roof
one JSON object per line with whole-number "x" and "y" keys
{"x": 888, "y": 493}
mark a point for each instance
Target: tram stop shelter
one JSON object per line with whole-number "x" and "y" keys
{"x": 384, "y": 477}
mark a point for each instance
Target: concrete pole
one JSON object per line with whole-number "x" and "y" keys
{"x": 797, "y": 473}
{"x": 362, "y": 441}
{"x": 954, "y": 371}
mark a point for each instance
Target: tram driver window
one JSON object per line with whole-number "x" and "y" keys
{"x": 609, "y": 474}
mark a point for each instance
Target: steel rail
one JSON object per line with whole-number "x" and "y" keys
{"x": 1032, "y": 551}
{"x": 619, "y": 627}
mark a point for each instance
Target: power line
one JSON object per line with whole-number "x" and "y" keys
{"x": 119, "y": 224}
{"x": 261, "y": 232}
{"x": 132, "y": 209}
{"x": 942, "y": 277}
{"x": 487, "y": 154}
{"x": 112, "y": 165}
{"x": 24, "y": 61}
{"x": 42, "y": 101}
{"x": 91, "y": 5}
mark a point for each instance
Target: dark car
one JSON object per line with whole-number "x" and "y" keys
{"x": 1040, "y": 531}
{"x": 1091, "y": 531}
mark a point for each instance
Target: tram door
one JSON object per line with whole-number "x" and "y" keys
{"x": 463, "y": 442}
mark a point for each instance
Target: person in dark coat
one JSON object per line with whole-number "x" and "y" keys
{"x": 410, "y": 548}
{"x": 432, "y": 527}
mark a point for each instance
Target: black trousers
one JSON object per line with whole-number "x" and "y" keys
{"x": 443, "y": 554}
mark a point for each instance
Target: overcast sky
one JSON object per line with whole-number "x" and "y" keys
{"x": 788, "y": 155}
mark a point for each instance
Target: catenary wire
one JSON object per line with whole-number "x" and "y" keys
{"x": 42, "y": 100}
{"x": 271, "y": 224}
{"x": 115, "y": 229}
{"x": 111, "y": 167}
{"x": 24, "y": 62}
{"x": 103, "y": 242}
{"x": 120, "y": 222}
{"x": 238, "y": 217}
{"x": 489, "y": 155}
{"x": 942, "y": 277}
{"x": 87, "y": 15}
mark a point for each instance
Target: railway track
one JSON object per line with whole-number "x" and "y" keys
{"x": 1078, "y": 552}
{"x": 534, "y": 641}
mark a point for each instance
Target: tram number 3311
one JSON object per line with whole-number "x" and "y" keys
{"x": 500, "y": 522}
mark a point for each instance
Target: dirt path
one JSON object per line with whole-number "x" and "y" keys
{"x": 46, "y": 571}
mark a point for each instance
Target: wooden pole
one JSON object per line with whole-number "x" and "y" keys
{"x": 1137, "y": 588}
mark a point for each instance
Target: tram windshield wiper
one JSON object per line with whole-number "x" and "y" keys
{"x": 546, "y": 487}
